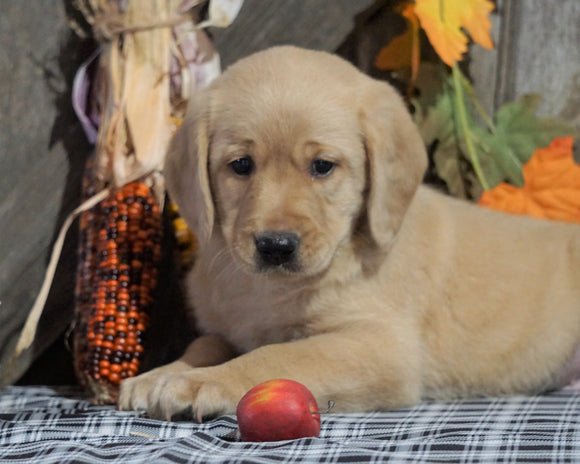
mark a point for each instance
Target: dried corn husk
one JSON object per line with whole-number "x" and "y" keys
{"x": 152, "y": 54}
{"x": 128, "y": 95}
{"x": 139, "y": 103}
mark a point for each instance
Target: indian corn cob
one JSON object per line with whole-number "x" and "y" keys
{"x": 120, "y": 250}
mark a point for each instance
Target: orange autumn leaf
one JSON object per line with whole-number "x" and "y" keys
{"x": 403, "y": 50}
{"x": 551, "y": 189}
{"x": 443, "y": 20}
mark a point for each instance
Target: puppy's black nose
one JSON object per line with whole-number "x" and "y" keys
{"x": 277, "y": 248}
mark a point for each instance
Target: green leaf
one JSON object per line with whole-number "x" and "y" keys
{"x": 514, "y": 137}
{"x": 497, "y": 152}
{"x": 448, "y": 166}
{"x": 438, "y": 126}
{"x": 521, "y": 131}
{"x": 501, "y": 163}
{"x": 431, "y": 81}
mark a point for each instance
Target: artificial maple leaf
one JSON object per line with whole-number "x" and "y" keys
{"x": 443, "y": 20}
{"x": 517, "y": 132}
{"x": 551, "y": 189}
{"x": 403, "y": 50}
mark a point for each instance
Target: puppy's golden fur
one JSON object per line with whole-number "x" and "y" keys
{"x": 391, "y": 292}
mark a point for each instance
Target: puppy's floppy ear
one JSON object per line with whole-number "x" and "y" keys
{"x": 186, "y": 169}
{"x": 397, "y": 160}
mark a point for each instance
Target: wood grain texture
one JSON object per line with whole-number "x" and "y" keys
{"x": 42, "y": 150}
{"x": 317, "y": 24}
{"x": 484, "y": 64}
{"x": 540, "y": 53}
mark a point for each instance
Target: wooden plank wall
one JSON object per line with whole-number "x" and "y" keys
{"x": 316, "y": 24}
{"x": 538, "y": 51}
{"x": 42, "y": 148}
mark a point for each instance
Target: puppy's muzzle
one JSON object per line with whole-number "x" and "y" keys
{"x": 277, "y": 249}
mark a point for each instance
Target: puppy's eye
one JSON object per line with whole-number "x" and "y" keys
{"x": 242, "y": 166}
{"x": 321, "y": 167}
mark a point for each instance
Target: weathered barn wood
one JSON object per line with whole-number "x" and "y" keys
{"x": 42, "y": 151}
{"x": 537, "y": 52}
{"x": 317, "y": 24}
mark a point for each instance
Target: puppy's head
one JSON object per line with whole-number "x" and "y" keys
{"x": 290, "y": 156}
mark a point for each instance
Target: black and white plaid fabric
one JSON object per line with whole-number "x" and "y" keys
{"x": 45, "y": 425}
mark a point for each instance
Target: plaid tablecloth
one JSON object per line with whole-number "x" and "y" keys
{"x": 46, "y": 425}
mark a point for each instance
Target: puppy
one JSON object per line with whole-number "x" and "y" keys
{"x": 323, "y": 260}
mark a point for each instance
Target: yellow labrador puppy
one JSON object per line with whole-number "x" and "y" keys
{"x": 323, "y": 260}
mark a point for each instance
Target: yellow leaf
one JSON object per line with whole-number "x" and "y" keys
{"x": 443, "y": 20}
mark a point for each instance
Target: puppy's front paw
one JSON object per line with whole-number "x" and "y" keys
{"x": 170, "y": 393}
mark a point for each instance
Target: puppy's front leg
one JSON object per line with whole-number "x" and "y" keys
{"x": 204, "y": 351}
{"x": 207, "y": 350}
{"x": 358, "y": 368}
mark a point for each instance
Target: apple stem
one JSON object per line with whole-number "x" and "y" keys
{"x": 327, "y": 410}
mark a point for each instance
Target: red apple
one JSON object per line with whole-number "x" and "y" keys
{"x": 278, "y": 409}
